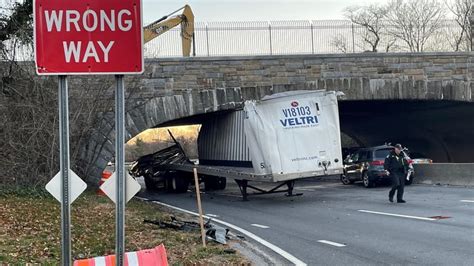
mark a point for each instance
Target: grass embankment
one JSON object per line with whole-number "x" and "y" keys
{"x": 30, "y": 231}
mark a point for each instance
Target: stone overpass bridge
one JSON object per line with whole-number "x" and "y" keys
{"x": 421, "y": 100}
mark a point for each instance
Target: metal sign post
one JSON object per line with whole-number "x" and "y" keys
{"x": 64, "y": 170}
{"x": 120, "y": 170}
{"x": 116, "y": 48}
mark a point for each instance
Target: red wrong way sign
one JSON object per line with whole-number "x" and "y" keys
{"x": 88, "y": 37}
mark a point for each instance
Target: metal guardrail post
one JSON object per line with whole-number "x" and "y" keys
{"x": 353, "y": 38}
{"x": 207, "y": 39}
{"x": 270, "y": 34}
{"x": 312, "y": 36}
{"x": 471, "y": 28}
{"x": 194, "y": 43}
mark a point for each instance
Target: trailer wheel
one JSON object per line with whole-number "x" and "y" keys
{"x": 177, "y": 184}
{"x": 221, "y": 183}
{"x": 150, "y": 184}
{"x": 214, "y": 183}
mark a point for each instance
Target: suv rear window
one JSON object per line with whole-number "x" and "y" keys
{"x": 382, "y": 153}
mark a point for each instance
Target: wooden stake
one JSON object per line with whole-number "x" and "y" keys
{"x": 198, "y": 197}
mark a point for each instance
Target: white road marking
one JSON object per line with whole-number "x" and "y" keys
{"x": 260, "y": 240}
{"x": 399, "y": 215}
{"x": 331, "y": 243}
{"x": 470, "y": 201}
{"x": 212, "y": 215}
{"x": 260, "y": 226}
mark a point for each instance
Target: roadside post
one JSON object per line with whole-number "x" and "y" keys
{"x": 120, "y": 170}
{"x": 89, "y": 37}
{"x": 64, "y": 166}
{"x": 198, "y": 198}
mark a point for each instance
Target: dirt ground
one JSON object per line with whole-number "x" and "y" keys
{"x": 30, "y": 231}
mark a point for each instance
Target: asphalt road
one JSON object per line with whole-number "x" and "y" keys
{"x": 311, "y": 226}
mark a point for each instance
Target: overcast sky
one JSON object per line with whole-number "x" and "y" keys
{"x": 231, "y": 10}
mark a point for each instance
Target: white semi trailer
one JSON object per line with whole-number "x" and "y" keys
{"x": 281, "y": 138}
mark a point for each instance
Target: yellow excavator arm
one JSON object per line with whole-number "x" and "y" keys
{"x": 164, "y": 24}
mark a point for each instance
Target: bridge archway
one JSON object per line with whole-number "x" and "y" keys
{"x": 440, "y": 130}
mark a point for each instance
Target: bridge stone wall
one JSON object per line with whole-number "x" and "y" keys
{"x": 172, "y": 89}
{"x": 361, "y": 76}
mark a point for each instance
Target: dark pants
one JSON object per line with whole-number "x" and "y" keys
{"x": 398, "y": 184}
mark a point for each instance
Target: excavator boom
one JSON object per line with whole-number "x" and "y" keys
{"x": 186, "y": 20}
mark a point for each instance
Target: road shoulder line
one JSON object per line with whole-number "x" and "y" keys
{"x": 399, "y": 215}
{"x": 339, "y": 245}
{"x": 256, "y": 238}
{"x": 260, "y": 226}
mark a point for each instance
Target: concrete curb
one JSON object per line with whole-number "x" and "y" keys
{"x": 455, "y": 174}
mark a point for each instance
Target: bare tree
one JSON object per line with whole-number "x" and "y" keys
{"x": 340, "y": 42}
{"x": 28, "y": 129}
{"x": 371, "y": 18}
{"x": 461, "y": 10}
{"x": 390, "y": 43}
{"x": 415, "y": 21}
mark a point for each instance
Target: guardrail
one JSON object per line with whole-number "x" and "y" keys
{"x": 457, "y": 174}
{"x": 287, "y": 37}
{"x": 249, "y": 38}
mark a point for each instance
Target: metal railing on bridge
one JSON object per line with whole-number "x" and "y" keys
{"x": 247, "y": 38}
{"x": 288, "y": 37}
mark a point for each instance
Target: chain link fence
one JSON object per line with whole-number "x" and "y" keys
{"x": 288, "y": 37}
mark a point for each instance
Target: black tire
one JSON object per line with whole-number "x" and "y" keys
{"x": 221, "y": 183}
{"x": 345, "y": 180}
{"x": 150, "y": 184}
{"x": 410, "y": 181}
{"x": 177, "y": 184}
{"x": 214, "y": 183}
{"x": 367, "y": 181}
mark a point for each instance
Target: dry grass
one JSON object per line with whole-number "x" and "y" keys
{"x": 30, "y": 232}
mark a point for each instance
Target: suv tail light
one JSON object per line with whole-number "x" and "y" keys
{"x": 377, "y": 162}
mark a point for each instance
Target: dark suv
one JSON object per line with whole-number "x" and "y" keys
{"x": 366, "y": 165}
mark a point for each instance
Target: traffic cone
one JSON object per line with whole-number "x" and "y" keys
{"x": 105, "y": 175}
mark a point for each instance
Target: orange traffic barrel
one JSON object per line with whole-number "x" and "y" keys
{"x": 105, "y": 175}
{"x": 149, "y": 257}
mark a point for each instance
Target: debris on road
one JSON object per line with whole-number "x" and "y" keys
{"x": 218, "y": 234}
{"x": 177, "y": 224}
{"x": 213, "y": 232}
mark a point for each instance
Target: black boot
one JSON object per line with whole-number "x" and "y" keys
{"x": 391, "y": 194}
{"x": 401, "y": 201}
